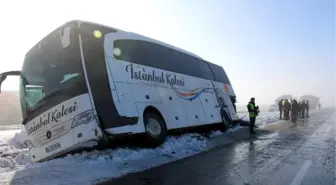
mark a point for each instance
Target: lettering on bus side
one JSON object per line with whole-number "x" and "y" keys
{"x": 52, "y": 116}
{"x": 140, "y": 73}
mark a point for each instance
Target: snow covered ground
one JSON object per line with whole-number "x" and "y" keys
{"x": 91, "y": 167}
{"x": 263, "y": 118}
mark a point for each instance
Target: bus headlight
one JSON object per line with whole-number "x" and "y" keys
{"x": 82, "y": 118}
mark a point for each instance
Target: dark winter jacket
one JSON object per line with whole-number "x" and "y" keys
{"x": 295, "y": 107}
{"x": 300, "y": 106}
{"x": 287, "y": 106}
{"x": 280, "y": 104}
{"x": 303, "y": 106}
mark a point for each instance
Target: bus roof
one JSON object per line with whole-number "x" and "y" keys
{"x": 140, "y": 36}
{"x": 76, "y": 23}
{"x": 165, "y": 44}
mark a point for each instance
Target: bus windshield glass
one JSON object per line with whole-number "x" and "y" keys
{"x": 51, "y": 67}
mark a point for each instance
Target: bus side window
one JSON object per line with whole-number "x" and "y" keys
{"x": 205, "y": 70}
{"x": 219, "y": 73}
{"x": 192, "y": 66}
{"x": 184, "y": 64}
{"x": 122, "y": 50}
{"x": 159, "y": 56}
{"x": 130, "y": 51}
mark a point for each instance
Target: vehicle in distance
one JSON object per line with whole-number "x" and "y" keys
{"x": 273, "y": 108}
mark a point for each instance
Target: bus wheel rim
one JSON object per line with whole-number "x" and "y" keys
{"x": 153, "y": 127}
{"x": 225, "y": 121}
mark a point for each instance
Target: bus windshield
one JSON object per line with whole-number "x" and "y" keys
{"x": 49, "y": 68}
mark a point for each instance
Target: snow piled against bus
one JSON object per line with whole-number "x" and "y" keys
{"x": 94, "y": 166}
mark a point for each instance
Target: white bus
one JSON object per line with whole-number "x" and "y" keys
{"x": 85, "y": 83}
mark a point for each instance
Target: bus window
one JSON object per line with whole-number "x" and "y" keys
{"x": 205, "y": 71}
{"x": 219, "y": 73}
{"x": 160, "y": 56}
{"x": 130, "y": 51}
{"x": 33, "y": 94}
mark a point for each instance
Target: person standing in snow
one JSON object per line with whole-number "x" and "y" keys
{"x": 286, "y": 109}
{"x": 319, "y": 106}
{"x": 289, "y": 105}
{"x": 295, "y": 111}
{"x": 307, "y": 109}
{"x": 253, "y": 112}
{"x": 280, "y": 108}
{"x": 291, "y": 110}
{"x": 300, "y": 109}
{"x": 303, "y": 109}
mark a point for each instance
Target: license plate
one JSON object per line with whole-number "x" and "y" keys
{"x": 53, "y": 147}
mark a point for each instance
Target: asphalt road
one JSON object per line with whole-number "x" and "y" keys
{"x": 280, "y": 154}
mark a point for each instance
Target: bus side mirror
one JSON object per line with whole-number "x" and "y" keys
{"x": 4, "y": 75}
{"x": 2, "y": 78}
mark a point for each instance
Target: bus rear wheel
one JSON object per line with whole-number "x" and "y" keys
{"x": 156, "y": 129}
{"x": 225, "y": 122}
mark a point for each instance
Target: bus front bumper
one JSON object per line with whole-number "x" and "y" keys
{"x": 82, "y": 136}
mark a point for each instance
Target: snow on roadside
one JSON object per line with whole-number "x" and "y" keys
{"x": 89, "y": 167}
{"x": 19, "y": 139}
{"x": 267, "y": 119}
{"x": 263, "y": 118}
{"x": 94, "y": 166}
{"x": 13, "y": 155}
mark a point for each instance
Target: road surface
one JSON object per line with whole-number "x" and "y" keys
{"x": 279, "y": 154}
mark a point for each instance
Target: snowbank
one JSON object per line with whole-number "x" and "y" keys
{"x": 13, "y": 153}
{"x": 90, "y": 167}
{"x": 94, "y": 166}
{"x": 19, "y": 140}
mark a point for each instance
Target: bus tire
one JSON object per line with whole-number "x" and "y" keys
{"x": 156, "y": 129}
{"x": 225, "y": 122}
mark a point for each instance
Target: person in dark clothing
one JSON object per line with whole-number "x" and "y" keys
{"x": 300, "y": 109}
{"x": 291, "y": 112}
{"x": 319, "y": 106}
{"x": 287, "y": 107}
{"x": 253, "y": 112}
{"x": 280, "y": 108}
{"x": 303, "y": 109}
{"x": 284, "y": 108}
{"x": 307, "y": 109}
{"x": 295, "y": 111}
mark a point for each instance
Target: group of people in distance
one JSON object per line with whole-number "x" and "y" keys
{"x": 291, "y": 109}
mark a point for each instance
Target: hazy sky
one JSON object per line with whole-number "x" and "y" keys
{"x": 267, "y": 47}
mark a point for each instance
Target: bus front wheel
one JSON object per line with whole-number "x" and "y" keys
{"x": 156, "y": 129}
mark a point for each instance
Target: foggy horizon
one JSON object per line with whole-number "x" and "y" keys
{"x": 267, "y": 48}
